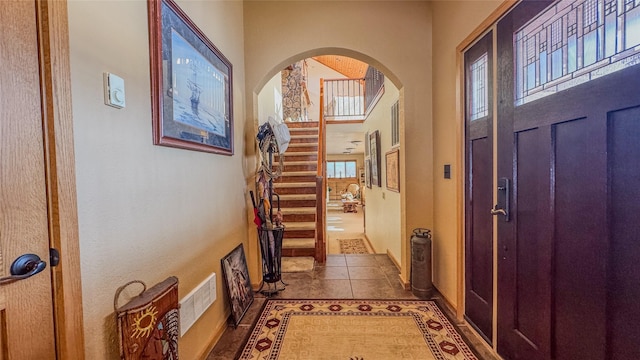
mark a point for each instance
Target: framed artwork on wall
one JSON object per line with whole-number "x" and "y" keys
{"x": 191, "y": 80}
{"x": 374, "y": 149}
{"x": 367, "y": 172}
{"x": 236, "y": 276}
{"x": 392, "y": 162}
{"x": 366, "y": 144}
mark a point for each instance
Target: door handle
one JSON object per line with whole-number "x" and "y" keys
{"x": 504, "y": 193}
{"x": 25, "y": 266}
{"x": 496, "y": 211}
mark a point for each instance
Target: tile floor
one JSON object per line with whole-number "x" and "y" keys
{"x": 341, "y": 277}
{"x": 371, "y": 276}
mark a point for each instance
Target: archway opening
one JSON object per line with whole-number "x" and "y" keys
{"x": 291, "y": 92}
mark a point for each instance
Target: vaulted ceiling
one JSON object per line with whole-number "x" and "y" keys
{"x": 350, "y": 68}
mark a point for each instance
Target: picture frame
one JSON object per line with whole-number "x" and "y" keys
{"x": 374, "y": 149}
{"x": 191, "y": 84}
{"x": 392, "y": 161}
{"x": 366, "y": 144}
{"x": 238, "y": 284}
{"x": 367, "y": 173}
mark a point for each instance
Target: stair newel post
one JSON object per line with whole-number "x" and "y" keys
{"x": 321, "y": 185}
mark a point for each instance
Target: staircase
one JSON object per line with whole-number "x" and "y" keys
{"x": 297, "y": 189}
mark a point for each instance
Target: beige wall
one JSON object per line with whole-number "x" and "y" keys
{"x": 267, "y": 99}
{"x": 148, "y": 212}
{"x": 393, "y": 36}
{"x": 453, "y": 21}
{"x": 383, "y": 220}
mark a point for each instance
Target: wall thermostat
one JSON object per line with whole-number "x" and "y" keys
{"x": 114, "y": 91}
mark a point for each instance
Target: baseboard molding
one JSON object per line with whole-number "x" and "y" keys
{"x": 217, "y": 334}
{"x": 393, "y": 259}
{"x": 446, "y": 301}
{"x": 406, "y": 283}
{"x": 366, "y": 238}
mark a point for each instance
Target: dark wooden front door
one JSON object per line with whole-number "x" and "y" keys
{"x": 569, "y": 258}
{"x": 479, "y": 190}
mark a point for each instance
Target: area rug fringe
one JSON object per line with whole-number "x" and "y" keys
{"x": 354, "y": 329}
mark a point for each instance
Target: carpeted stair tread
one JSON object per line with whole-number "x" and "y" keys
{"x": 299, "y": 153}
{"x": 298, "y": 210}
{"x": 297, "y": 264}
{"x": 295, "y": 243}
{"x": 300, "y": 226}
{"x": 297, "y": 197}
{"x": 304, "y": 162}
{"x": 294, "y": 185}
{"x": 299, "y": 173}
{"x": 295, "y": 145}
{"x": 293, "y": 136}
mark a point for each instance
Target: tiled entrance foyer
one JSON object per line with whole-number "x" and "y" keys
{"x": 342, "y": 277}
{"x": 372, "y": 276}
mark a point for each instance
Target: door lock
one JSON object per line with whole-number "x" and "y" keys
{"x": 504, "y": 193}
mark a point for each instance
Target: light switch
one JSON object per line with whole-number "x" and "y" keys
{"x": 114, "y": 91}
{"x": 447, "y": 171}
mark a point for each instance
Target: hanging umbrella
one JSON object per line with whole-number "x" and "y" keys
{"x": 256, "y": 218}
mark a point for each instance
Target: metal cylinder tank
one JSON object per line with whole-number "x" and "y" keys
{"x": 421, "y": 284}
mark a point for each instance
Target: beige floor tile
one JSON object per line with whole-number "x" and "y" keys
{"x": 361, "y": 260}
{"x": 372, "y": 289}
{"x": 331, "y": 272}
{"x": 335, "y": 260}
{"x": 365, "y": 272}
{"x": 330, "y": 289}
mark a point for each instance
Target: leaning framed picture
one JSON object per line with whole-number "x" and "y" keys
{"x": 236, "y": 276}
{"x": 374, "y": 150}
{"x": 392, "y": 163}
{"x": 191, "y": 80}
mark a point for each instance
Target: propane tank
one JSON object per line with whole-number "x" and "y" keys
{"x": 421, "y": 284}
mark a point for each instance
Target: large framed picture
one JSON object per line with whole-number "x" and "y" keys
{"x": 374, "y": 150}
{"x": 236, "y": 276}
{"x": 191, "y": 82}
{"x": 392, "y": 162}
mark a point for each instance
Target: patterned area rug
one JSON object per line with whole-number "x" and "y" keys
{"x": 352, "y": 246}
{"x": 354, "y": 329}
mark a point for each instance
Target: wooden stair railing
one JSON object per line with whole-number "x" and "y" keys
{"x": 321, "y": 251}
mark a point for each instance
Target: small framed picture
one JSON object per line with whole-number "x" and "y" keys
{"x": 374, "y": 148}
{"x": 392, "y": 158}
{"x": 236, "y": 276}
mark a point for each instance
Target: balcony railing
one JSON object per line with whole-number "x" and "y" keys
{"x": 344, "y": 98}
{"x": 352, "y": 99}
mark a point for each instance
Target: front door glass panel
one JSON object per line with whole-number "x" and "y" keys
{"x": 573, "y": 42}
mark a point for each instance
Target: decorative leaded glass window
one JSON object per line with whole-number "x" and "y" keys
{"x": 574, "y": 41}
{"x": 479, "y": 97}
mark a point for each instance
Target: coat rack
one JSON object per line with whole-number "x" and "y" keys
{"x": 270, "y": 227}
